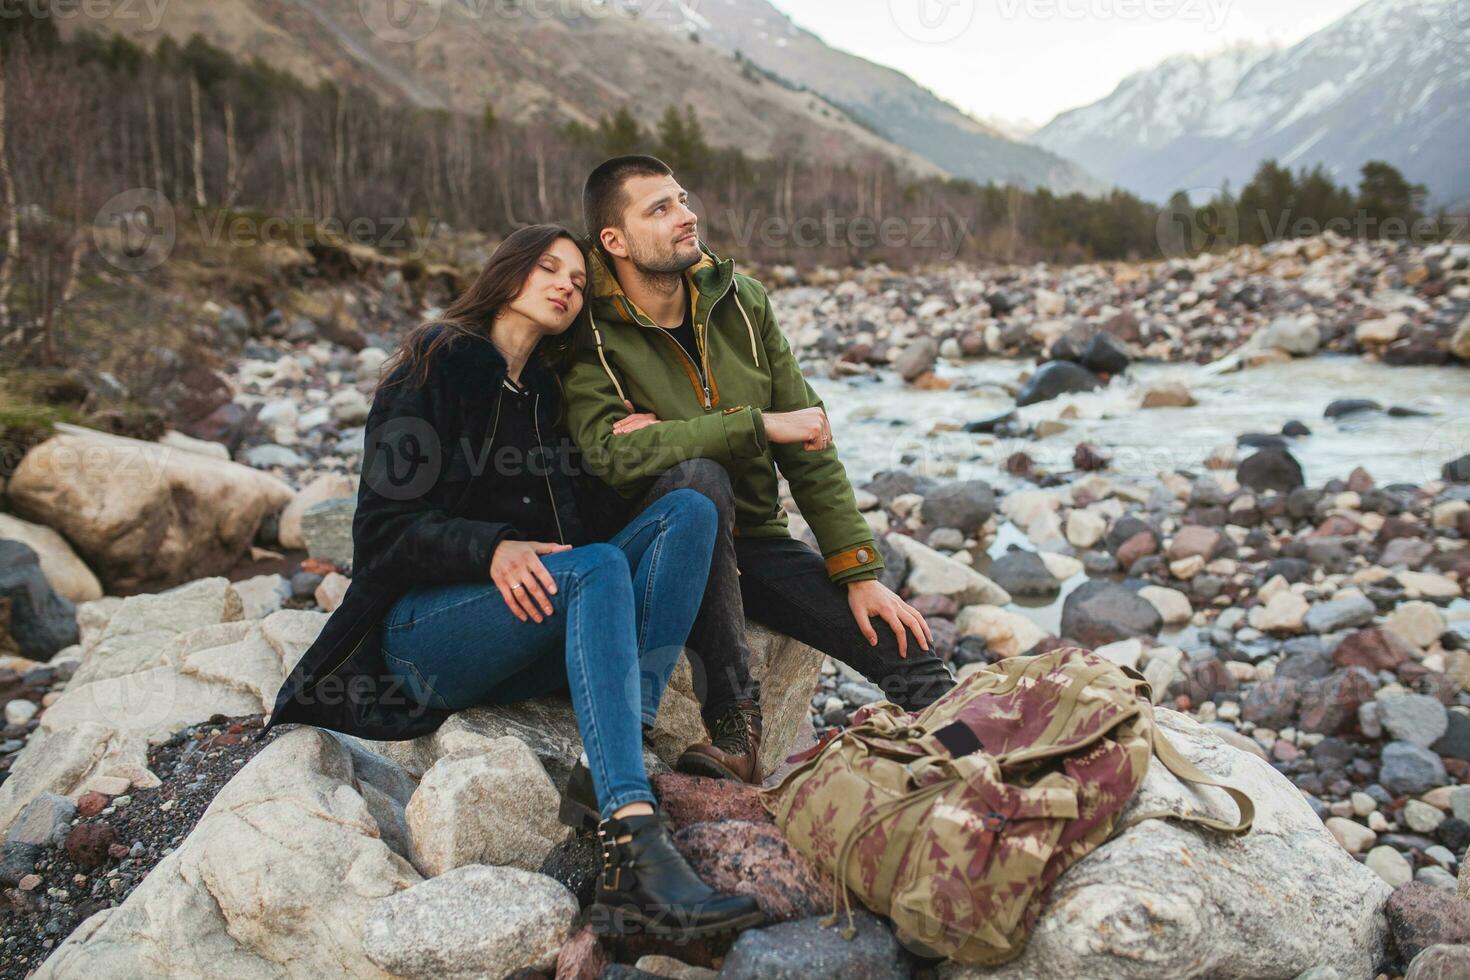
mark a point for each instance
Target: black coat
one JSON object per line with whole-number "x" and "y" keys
{"x": 426, "y": 456}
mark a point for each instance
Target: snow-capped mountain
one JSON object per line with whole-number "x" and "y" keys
{"x": 1388, "y": 81}
{"x": 886, "y": 100}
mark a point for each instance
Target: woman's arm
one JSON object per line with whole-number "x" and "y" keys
{"x": 401, "y": 531}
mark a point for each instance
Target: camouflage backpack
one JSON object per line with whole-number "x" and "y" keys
{"x": 956, "y": 822}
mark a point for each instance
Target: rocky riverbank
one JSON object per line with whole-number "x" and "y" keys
{"x": 1307, "y": 637}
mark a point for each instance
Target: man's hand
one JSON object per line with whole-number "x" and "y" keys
{"x": 872, "y": 598}
{"x": 516, "y": 570}
{"x": 808, "y": 426}
{"x": 633, "y": 421}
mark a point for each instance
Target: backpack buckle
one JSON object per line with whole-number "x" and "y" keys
{"x": 994, "y": 823}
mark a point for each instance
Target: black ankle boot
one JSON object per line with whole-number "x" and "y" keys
{"x": 647, "y": 887}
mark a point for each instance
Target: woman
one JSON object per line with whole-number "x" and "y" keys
{"x": 477, "y": 581}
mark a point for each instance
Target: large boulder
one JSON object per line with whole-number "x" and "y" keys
{"x": 158, "y": 664}
{"x": 328, "y": 486}
{"x": 965, "y": 505}
{"x": 67, "y": 573}
{"x": 931, "y": 573}
{"x": 144, "y": 516}
{"x": 1054, "y": 379}
{"x": 1271, "y": 469}
{"x": 279, "y": 878}
{"x": 1167, "y": 899}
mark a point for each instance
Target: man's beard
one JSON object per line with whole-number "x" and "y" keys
{"x": 654, "y": 265}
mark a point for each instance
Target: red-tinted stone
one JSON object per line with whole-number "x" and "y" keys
{"x": 1420, "y": 916}
{"x": 1336, "y": 526}
{"x": 118, "y": 851}
{"x": 1331, "y": 704}
{"x": 87, "y": 843}
{"x": 942, "y": 606}
{"x": 1359, "y": 480}
{"x": 1141, "y": 545}
{"x": 1373, "y": 648}
{"x": 92, "y": 804}
{"x": 581, "y": 957}
{"x": 1194, "y": 540}
{"x": 743, "y": 858}
{"x": 697, "y": 799}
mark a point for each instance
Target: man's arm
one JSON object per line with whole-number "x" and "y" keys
{"x": 629, "y": 461}
{"x": 817, "y": 478}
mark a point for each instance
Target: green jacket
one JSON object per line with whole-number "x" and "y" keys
{"x": 749, "y": 367}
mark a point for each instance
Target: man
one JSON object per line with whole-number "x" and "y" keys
{"x": 717, "y": 401}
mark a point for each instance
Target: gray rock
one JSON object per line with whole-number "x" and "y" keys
{"x": 1416, "y": 718}
{"x": 1441, "y": 962}
{"x": 1293, "y": 335}
{"x": 327, "y": 527}
{"x": 964, "y": 506}
{"x": 807, "y": 950}
{"x": 1409, "y": 769}
{"x": 1354, "y": 609}
{"x": 44, "y": 821}
{"x": 1056, "y": 378}
{"x": 1099, "y": 613}
{"x": 474, "y": 921}
{"x": 1271, "y": 469}
{"x": 267, "y": 455}
{"x": 42, "y": 622}
{"x": 1023, "y": 573}
{"x": 917, "y": 358}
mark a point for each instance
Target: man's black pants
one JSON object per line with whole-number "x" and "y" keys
{"x": 783, "y": 584}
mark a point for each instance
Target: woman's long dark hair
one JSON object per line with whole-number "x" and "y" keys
{"x": 500, "y": 282}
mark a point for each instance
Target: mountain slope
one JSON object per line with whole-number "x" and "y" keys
{"x": 896, "y": 106}
{"x": 1388, "y": 81}
{"x": 536, "y": 64}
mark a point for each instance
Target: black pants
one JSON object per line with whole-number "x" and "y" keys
{"x": 782, "y": 584}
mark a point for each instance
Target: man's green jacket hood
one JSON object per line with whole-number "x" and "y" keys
{"x": 710, "y": 407}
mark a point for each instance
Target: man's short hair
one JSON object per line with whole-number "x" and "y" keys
{"x": 603, "y": 199}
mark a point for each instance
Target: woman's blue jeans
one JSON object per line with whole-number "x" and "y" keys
{"x": 623, "y": 611}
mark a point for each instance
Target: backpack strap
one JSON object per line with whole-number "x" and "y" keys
{"x": 1188, "y": 772}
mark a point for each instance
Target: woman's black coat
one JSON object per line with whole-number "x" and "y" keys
{"x": 426, "y": 456}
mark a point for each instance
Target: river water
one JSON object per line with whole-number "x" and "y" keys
{"x": 881, "y": 423}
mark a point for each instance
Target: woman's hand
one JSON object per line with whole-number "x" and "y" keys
{"x": 634, "y": 421}
{"x": 524, "y": 582}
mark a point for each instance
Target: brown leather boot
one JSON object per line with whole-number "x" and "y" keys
{"x": 734, "y": 748}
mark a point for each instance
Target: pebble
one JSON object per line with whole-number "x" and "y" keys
{"x": 1390, "y": 865}
{"x": 1415, "y": 718}
{"x": 19, "y": 711}
{"x": 1421, "y": 817}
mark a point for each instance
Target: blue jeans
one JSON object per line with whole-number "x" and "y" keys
{"x": 622, "y": 612}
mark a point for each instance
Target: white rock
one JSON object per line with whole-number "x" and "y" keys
{"x": 1085, "y": 529}
{"x": 473, "y": 922}
{"x": 19, "y": 711}
{"x": 494, "y": 807}
{"x": 931, "y": 573}
{"x": 1418, "y": 622}
{"x": 1124, "y": 653}
{"x": 1006, "y": 634}
{"x": 1427, "y": 584}
{"x": 1353, "y": 836}
{"x": 262, "y": 595}
{"x": 331, "y": 590}
{"x": 1284, "y": 613}
{"x": 1172, "y": 604}
{"x": 278, "y": 878}
{"x": 188, "y": 444}
{"x": 143, "y": 515}
{"x": 1148, "y": 903}
{"x": 1062, "y": 567}
{"x": 1391, "y": 866}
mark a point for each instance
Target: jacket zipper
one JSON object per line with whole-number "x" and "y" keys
{"x": 701, "y": 375}
{"x": 494, "y": 428}
{"x": 536, "y": 424}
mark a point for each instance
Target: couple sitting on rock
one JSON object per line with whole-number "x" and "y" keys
{"x": 492, "y": 563}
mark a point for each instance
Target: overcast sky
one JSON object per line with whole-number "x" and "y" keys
{"x": 1030, "y": 59}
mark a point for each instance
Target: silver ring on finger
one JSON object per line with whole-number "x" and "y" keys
{"x": 514, "y": 587}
